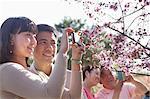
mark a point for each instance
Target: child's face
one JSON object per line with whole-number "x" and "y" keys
{"x": 107, "y": 79}
{"x": 94, "y": 76}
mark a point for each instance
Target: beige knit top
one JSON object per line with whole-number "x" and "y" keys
{"x": 16, "y": 82}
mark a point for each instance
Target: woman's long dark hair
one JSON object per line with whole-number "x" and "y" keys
{"x": 10, "y": 27}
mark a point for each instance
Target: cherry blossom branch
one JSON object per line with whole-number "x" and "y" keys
{"x": 135, "y": 19}
{"x": 140, "y": 74}
{"x": 129, "y": 38}
{"x": 122, "y": 15}
{"x": 132, "y": 12}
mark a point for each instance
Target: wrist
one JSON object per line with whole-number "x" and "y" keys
{"x": 76, "y": 61}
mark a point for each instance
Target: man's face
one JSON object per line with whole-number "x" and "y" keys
{"x": 107, "y": 79}
{"x": 46, "y": 47}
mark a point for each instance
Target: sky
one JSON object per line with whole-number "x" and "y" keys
{"x": 41, "y": 11}
{"x": 46, "y": 11}
{"x": 49, "y": 11}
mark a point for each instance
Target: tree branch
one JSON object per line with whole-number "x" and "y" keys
{"x": 129, "y": 38}
{"x": 122, "y": 15}
{"x": 132, "y": 22}
{"x": 132, "y": 12}
{"x": 140, "y": 74}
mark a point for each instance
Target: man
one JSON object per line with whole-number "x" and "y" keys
{"x": 44, "y": 58}
{"x": 129, "y": 88}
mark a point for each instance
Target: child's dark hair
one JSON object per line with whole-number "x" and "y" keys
{"x": 89, "y": 69}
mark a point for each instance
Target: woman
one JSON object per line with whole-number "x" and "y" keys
{"x": 17, "y": 43}
{"x": 90, "y": 78}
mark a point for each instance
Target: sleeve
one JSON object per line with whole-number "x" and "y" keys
{"x": 75, "y": 88}
{"x": 58, "y": 75}
{"x": 68, "y": 78}
{"x": 19, "y": 81}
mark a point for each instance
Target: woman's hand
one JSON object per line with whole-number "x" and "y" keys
{"x": 76, "y": 57}
{"x": 69, "y": 30}
{"x": 129, "y": 79}
{"x": 64, "y": 40}
{"x": 77, "y": 51}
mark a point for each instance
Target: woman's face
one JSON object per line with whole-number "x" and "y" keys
{"x": 24, "y": 44}
{"x": 94, "y": 76}
{"x": 46, "y": 48}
